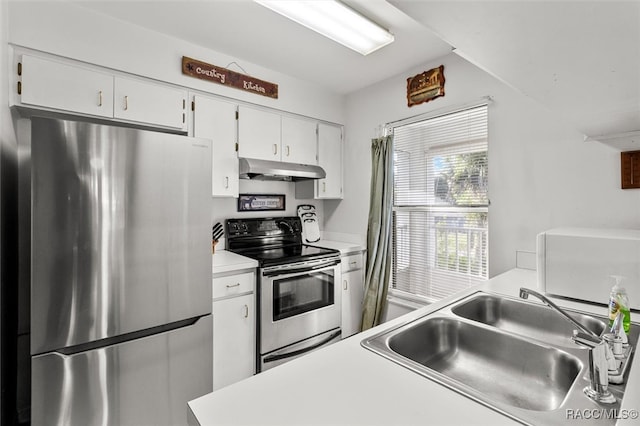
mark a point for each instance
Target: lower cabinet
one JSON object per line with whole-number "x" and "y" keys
{"x": 352, "y": 293}
{"x": 234, "y": 332}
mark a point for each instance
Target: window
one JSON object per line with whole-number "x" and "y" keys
{"x": 440, "y": 212}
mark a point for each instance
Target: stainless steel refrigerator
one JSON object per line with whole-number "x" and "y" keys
{"x": 120, "y": 273}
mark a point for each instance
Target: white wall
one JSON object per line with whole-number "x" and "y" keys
{"x": 225, "y": 208}
{"x": 542, "y": 174}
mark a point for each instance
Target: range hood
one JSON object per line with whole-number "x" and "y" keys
{"x": 251, "y": 168}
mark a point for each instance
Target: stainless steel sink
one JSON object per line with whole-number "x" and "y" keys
{"x": 503, "y": 367}
{"x": 534, "y": 321}
{"x": 513, "y": 356}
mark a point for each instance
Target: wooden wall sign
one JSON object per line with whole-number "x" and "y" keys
{"x": 227, "y": 77}
{"x": 426, "y": 86}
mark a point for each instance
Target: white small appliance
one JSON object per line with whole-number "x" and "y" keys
{"x": 579, "y": 263}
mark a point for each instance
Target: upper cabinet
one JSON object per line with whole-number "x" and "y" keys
{"x": 299, "y": 138}
{"x": 271, "y": 136}
{"x": 69, "y": 87}
{"x": 216, "y": 120}
{"x": 61, "y": 85}
{"x": 330, "y": 159}
{"x": 258, "y": 134}
{"x": 50, "y": 84}
{"x": 150, "y": 103}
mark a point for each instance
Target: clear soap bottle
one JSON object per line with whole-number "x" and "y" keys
{"x": 619, "y": 304}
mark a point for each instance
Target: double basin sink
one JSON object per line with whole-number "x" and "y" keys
{"x": 513, "y": 356}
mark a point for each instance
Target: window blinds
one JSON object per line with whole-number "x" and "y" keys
{"x": 440, "y": 208}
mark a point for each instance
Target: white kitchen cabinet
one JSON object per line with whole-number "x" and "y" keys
{"x": 234, "y": 328}
{"x": 259, "y": 134}
{"x": 216, "y": 120}
{"x": 271, "y": 136}
{"x": 330, "y": 159}
{"x": 352, "y": 293}
{"x": 52, "y": 84}
{"x": 45, "y": 83}
{"x": 299, "y": 140}
{"x": 150, "y": 103}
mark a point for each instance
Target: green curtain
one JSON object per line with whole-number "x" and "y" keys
{"x": 378, "y": 270}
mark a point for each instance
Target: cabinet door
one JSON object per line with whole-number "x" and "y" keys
{"x": 330, "y": 159}
{"x": 216, "y": 120}
{"x": 65, "y": 87}
{"x": 234, "y": 353}
{"x": 299, "y": 141}
{"x": 258, "y": 134}
{"x": 150, "y": 103}
{"x": 352, "y": 298}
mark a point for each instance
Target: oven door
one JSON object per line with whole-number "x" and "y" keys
{"x": 298, "y": 301}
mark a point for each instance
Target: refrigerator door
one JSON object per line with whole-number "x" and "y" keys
{"x": 120, "y": 231}
{"x": 146, "y": 381}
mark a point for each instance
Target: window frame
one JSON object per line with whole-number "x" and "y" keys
{"x": 434, "y": 207}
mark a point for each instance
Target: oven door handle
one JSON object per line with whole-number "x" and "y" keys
{"x": 276, "y": 272}
{"x": 278, "y": 357}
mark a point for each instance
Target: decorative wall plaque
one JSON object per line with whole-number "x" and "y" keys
{"x": 226, "y": 77}
{"x": 253, "y": 202}
{"x": 426, "y": 86}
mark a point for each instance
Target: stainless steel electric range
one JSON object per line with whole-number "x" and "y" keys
{"x": 299, "y": 299}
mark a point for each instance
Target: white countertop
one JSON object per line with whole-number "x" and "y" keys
{"x": 226, "y": 261}
{"x": 346, "y": 384}
{"x": 344, "y": 247}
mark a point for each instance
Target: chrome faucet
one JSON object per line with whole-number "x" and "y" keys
{"x": 598, "y": 356}
{"x": 524, "y": 294}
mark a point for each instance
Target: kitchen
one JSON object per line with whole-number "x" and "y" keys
{"x": 537, "y": 143}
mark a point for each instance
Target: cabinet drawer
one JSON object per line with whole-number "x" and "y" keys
{"x": 352, "y": 263}
{"x": 233, "y": 284}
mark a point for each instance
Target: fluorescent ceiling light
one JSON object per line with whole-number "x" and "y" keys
{"x": 334, "y": 20}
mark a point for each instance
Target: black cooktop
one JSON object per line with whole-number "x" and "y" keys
{"x": 272, "y": 241}
{"x": 288, "y": 254}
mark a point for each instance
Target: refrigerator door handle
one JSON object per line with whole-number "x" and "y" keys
{"x": 123, "y": 338}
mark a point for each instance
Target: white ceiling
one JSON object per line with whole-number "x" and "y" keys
{"x": 579, "y": 58}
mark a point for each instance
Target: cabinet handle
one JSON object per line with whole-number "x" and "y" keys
{"x": 275, "y": 148}
{"x": 354, "y": 263}
{"x": 246, "y": 311}
{"x": 226, "y": 181}
{"x": 346, "y": 284}
{"x": 100, "y": 98}
{"x": 126, "y": 103}
{"x": 233, "y": 285}
{"x": 324, "y": 186}
{"x": 288, "y": 150}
